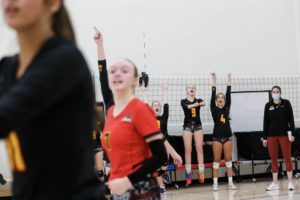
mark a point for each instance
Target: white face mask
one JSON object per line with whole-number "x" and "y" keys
{"x": 276, "y": 96}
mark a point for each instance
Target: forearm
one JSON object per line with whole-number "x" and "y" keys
{"x": 213, "y": 97}
{"x": 159, "y": 157}
{"x": 193, "y": 105}
{"x": 100, "y": 52}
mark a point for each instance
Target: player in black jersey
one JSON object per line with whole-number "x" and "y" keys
{"x": 192, "y": 126}
{"x": 162, "y": 122}
{"x": 46, "y": 106}
{"x": 222, "y": 135}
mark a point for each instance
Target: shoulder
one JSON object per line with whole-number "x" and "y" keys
{"x": 139, "y": 104}
{"x": 8, "y": 60}
{"x": 61, "y": 50}
{"x": 8, "y": 64}
{"x": 268, "y": 104}
{"x": 286, "y": 102}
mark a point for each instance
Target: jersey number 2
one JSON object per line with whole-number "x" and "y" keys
{"x": 14, "y": 152}
{"x": 193, "y": 112}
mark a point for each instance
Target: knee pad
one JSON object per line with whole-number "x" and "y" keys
{"x": 228, "y": 164}
{"x": 216, "y": 165}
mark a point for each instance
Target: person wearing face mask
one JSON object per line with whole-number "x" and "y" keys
{"x": 222, "y": 134}
{"x": 279, "y": 129}
{"x": 192, "y": 126}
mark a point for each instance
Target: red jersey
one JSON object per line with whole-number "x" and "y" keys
{"x": 124, "y": 135}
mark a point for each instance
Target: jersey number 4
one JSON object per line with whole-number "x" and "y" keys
{"x": 193, "y": 112}
{"x": 223, "y": 120}
{"x": 14, "y": 152}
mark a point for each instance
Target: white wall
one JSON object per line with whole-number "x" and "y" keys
{"x": 297, "y": 25}
{"x": 187, "y": 36}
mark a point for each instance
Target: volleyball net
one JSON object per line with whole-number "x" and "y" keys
{"x": 290, "y": 85}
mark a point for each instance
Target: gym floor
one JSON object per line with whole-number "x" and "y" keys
{"x": 245, "y": 190}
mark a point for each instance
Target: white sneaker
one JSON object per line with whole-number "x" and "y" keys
{"x": 231, "y": 186}
{"x": 273, "y": 186}
{"x": 291, "y": 186}
{"x": 215, "y": 187}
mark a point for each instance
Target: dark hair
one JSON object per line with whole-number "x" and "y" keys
{"x": 61, "y": 24}
{"x": 99, "y": 116}
{"x": 276, "y": 87}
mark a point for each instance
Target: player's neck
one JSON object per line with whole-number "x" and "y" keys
{"x": 190, "y": 98}
{"x": 121, "y": 101}
{"x": 277, "y": 101}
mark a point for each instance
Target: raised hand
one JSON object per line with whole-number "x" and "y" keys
{"x": 229, "y": 79}
{"x": 214, "y": 78}
{"x": 98, "y": 38}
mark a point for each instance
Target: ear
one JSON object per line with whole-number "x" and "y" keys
{"x": 54, "y": 5}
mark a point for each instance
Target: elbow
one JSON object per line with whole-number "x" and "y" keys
{"x": 163, "y": 158}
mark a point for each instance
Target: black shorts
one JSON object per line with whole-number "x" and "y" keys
{"x": 143, "y": 190}
{"x": 192, "y": 127}
{"x": 222, "y": 140}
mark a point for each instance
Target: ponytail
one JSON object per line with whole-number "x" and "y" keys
{"x": 61, "y": 24}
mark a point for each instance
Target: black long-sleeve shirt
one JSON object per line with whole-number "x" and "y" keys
{"x": 106, "y": 91}
{"x": 278, "y": 119}
{"x": 46, "y": 117}
{"x": 221, "y": 116}
{"x": 162, "y": 121}
{"x": 191, "y": 115}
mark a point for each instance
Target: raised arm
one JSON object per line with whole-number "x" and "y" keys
{"x": 165, "y": 101}
{"x": 106, "y": 92}
{"x": 213, "y": 92}
{"x": 165, "y": 90}
{"x": 143, "y": 90}
{"x": 228, "y": 91}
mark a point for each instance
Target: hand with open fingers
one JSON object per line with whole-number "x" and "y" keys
{"x": 229, "y": 79}
{"x": 265, "y": 143}
{"x": 176, "y": 158}
{"x": 119, "y": 186}
{"x": 229, "y": 76}
{"x": 165, "y": 87}
{"x": 98, "y": 38}
{"x": 143, "y": 88}
{"x": 202, "y": 104}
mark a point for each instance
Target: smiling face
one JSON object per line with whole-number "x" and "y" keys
{"x": 156, "y": 107}
{"x": 25, "y": 14}
{"x": 122, "y": 76}
{"x": 220, "y": 100}
{"x": 191, "y": 90}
